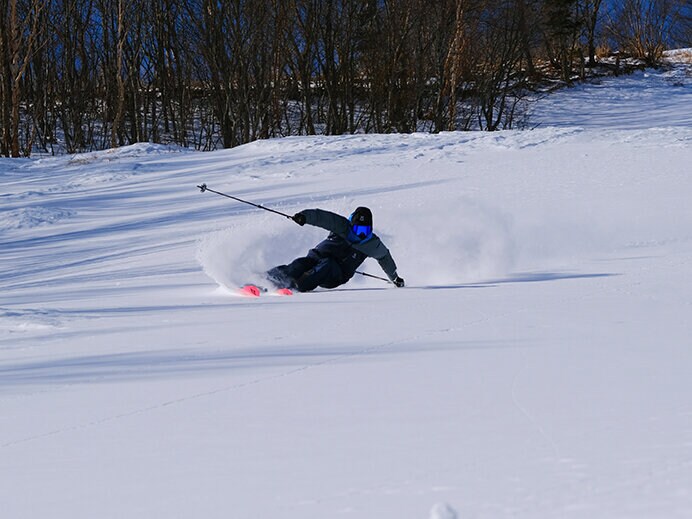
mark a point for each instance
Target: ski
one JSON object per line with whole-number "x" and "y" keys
{"x": 256, "y": 291}
{"x": 250, "y": 290}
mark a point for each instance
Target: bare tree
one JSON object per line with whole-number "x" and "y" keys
{"x": 561, "y": 30}
{"x": 527, "y": 19}
{"x": 20, "y": 29}
{"x": 457, "y": 63}
{"x": 591, "y": 16}
{"x": 302, "y": 38}
{"x": 117, "y": 137}
{"x": 497, "y": 73}
{"x": 643, "y": 28}
{"x": 70, "y": 80}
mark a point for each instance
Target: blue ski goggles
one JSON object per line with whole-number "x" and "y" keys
{"x": 362, "y": 231}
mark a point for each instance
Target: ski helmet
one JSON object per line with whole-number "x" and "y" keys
{"x": 361, "y": 222}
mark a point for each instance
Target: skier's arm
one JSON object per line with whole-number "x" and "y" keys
{"x": 326, "y": 220}
{"x": 376, "y": 249}
{"x": 387, "y": 264}
{"x": 389, "y": 267}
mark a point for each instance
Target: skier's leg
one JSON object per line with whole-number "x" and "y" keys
{"x": 285, "y": 276}
{"x": 326, "y": 273}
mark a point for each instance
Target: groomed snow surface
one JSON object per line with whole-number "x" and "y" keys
{"x": 537, "y": 365}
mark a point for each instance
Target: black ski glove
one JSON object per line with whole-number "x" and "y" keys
{"x": 299, "y": 218}
{"x": 398, "y": 282}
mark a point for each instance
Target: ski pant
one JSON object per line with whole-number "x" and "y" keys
{"x": 308, "y": 273}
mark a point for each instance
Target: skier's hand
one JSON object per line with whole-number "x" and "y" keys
{"x": 399, "y": 282}
{"x": 299, "y": 218}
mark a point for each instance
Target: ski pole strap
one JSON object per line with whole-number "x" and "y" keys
{"x": 204, "y": 188}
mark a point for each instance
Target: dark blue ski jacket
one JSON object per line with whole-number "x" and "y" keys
{"x": 345, "y": 247}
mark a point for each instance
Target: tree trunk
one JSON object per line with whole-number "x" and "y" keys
{"x": 116, "y": 131}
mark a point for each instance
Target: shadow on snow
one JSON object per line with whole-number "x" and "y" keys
{"x": 524, "y": 277}
{"x": 151, "y": 365}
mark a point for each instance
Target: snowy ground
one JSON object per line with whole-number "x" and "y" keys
{"x": 537, "y": 365}
{"x": 645, "y": 99}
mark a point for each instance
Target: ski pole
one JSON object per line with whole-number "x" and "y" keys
{"x": 371, "y": 276}
{"x": 204, "y": 188}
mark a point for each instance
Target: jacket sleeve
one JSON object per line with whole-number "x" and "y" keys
{"x": 374, "y": 248}
{"x": 327, "y": 220}
{"x": 384, "y": 258}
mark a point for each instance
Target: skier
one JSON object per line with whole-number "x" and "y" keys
{"x": 334, "y": 260}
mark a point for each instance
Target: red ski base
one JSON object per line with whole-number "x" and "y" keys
{"x": 255, "y": 291}
{"x": 250, "y": 290}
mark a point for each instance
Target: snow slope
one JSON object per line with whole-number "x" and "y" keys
{"x": 537, "y": 365}
{"x": 653, "y": 98}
